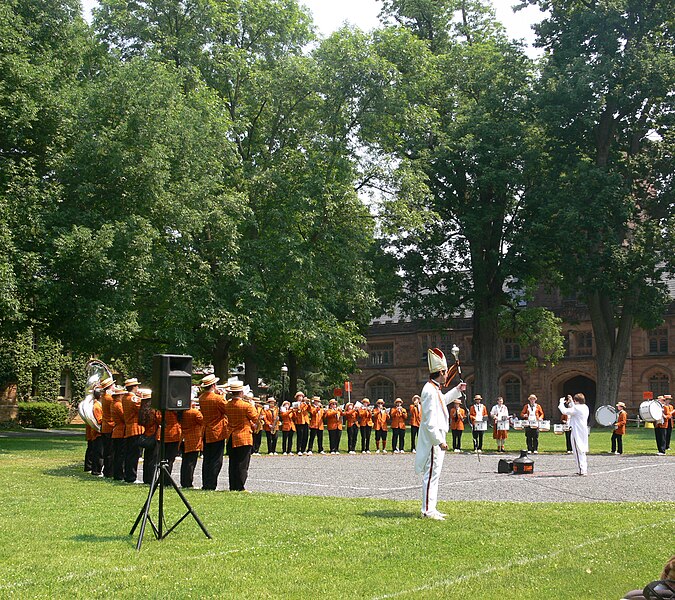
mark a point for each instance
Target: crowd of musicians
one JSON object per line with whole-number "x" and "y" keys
{"x": 223, "y": 419}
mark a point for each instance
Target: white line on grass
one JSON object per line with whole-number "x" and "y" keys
{"x": 339, "y": 487}
{"x": 522, "y": 562}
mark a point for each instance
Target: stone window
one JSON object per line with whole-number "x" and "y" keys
{"x": 380, "y": 388}
{"x": 512, "y": 394}
{"x": 584, "y": 343}
{"x": 659, "y": 384}
{"x": 511, "y": 349}
{"x": 381, "y": 355}
{"x": 658, "y": 341}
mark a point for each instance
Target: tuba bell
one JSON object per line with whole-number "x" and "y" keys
{"x": 95, "y": 371}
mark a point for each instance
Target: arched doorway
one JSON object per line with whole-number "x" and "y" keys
{"x": 585, "y": 386}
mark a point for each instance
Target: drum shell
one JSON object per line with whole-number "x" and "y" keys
{"x": 606, "y": 415}
{"x": 558, "y": 429}
{"x": 544, "y": 425}
{"x": 502, "y": 425}
{"x": 651, "y": 411}
{"x": 480, "y": 426}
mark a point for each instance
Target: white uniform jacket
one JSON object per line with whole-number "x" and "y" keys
{"x": 578, "y": 419}
{"x": 435, "y": 424}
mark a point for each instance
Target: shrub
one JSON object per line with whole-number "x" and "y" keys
{"x": 42, "y": 415}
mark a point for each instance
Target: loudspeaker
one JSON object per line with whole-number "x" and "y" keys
{"x": 171, "y": 381}
{"x": 504, "y": 466}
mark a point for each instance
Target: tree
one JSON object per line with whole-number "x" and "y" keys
{"x": 606, "y": 112}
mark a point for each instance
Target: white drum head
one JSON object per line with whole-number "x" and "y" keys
{"x": 605, "y": 415}
{"x": 651, "y": 410}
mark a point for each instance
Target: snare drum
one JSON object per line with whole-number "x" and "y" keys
{"x": 544, "y": 425}
{"x": 606, "y": 415}
{"x": 651, "y": 410}
{"x": 558, "y": 429}
{"x": 480, "y": 426}
{"x": 502, "y": 425}
{"x": 518, "y": 424}
{"x": 532, "y": 424}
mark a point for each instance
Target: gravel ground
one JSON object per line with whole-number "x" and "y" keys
{"x": 611, "y": 478}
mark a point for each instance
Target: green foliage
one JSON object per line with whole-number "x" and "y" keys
{"x": 42, "y": 415}
{"x": 538, "y": 331}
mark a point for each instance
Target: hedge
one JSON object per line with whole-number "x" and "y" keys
{"x": 42, "y": 415}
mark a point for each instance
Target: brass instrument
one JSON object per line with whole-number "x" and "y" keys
{"x": 261, "y": 419}
{"x": 96, "y": 371}
{"x": 275, "y": 424}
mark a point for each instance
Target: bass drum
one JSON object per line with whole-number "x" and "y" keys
{"x": 651, "y": 411}
{"x": 606, "y": 415}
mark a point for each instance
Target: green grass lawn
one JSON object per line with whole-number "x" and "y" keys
{"x": 64, "y": 534}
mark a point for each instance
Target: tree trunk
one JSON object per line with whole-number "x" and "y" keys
{"x": 221, "y": 359}
{"x": 251, "y": 367}
{"x": 611, "y": 346}
{"x": 292, "y": 375}
{"x": 486, "y": 349}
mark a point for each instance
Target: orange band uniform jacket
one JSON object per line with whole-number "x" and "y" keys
{"x": 415, "y": 415}
{"x": 472, "y": 413}
{"x": 152, "y": 427}
{"x": 333, "y": 419}
{"x": 538, "y": 411}
{"x": 107, "y": 424}
{"x": 287, "y": 423}
{"x": 271, "y": 415}
{"x": 241, "y": 417}
{"x": 192, "y": 428}
{"x": 212, "y": 407}
{"x": 352, "y": 416}
{"x": 131, "y": 404}
{"x": 380, "y": 419}
{"x": 398, "y": 417}
{"x": 620, "y": 425}
{"x": 316, "y": 418}
{"x": 365, "y": 417}
{"x": 667, "y": 414}
{"x": 301, "y": 414}
{"x": 172, "y": 431}
{"x": 90, "y": 433}
{"x": 457, "y": 416}
{"x": 117, "y": 414}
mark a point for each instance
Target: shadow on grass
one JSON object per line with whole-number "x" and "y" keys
{"x": 73, "y": 470}
{"x": 389, "y": 514}
{"x": 89, "y": 538}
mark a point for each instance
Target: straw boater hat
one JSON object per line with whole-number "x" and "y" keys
{"x": 209, "y": 380}
{"x": 270, "y": 400}
{"x": 365, "y": 401}
{"x": 332, "y": 401}
{"x": 379, "y": 401}
{"x": 621, "y": 404}
{"x": 398, "y": 401}
{"x": 298, "y": 394}
{"x": 118, "y": 389}
{"x": 236, "y": 386}
{"x": 145, "y": 393}
{"x": 106, "y": 383}
{"x": 131, "y": 382}
{"x": 436, "y": 360}
{"x": 478, "y": 397}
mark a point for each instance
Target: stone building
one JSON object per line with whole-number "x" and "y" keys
{"x": 396, "y": 365}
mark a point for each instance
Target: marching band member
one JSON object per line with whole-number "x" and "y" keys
{"x": 150, "y": 420}
{"x": 259, "y": 426}
{"x": 619, "y": 428}
{"x": 212, "y": 405}
{"x": 271, "y": 425}
{"x": 398, "y": 416}
{"x": 242, "y": 419}
{"x": 380, "y": 418}
{"x": 669, "y": 413}
{"x": 477, "y": 414}
{"x": 661, "y": 428}
{"x": 564, "y": 419}
{"x": 131, "y": 403}
{"x": 415, "y": 419}
{"x": 365, "y": 425}
{"x": 316, "y": 414}
{"x": 457, "y": 416}
{"x": 499, "y": 414}
{"x": 433, "y": 430}
{"x": 301, "y": 420}
{"x": 287, "y": 428}
{"x": 107, "y": 425}
{"x": 577, "y": 411}
{"x": 172, "y": 436}
{"x": 93, "y": 457}
{"x": 334, "y": 426}
{"x": 192, "y": 429}
{"x": 532, "y": 412}
{"x": 119, "y": 445}
{"x": 351, "y": 417}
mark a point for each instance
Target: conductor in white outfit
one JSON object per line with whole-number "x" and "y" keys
{"x": 431, "y": 445}
{"x": 577, "y": 411}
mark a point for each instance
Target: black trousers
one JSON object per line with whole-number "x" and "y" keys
{"x": 131, "y": 460}
{"x": 318, "y": 435}
{"x": 107, "y": 454}
{"x": 271, "y": 441}
{"x": 568, "y": 440}
{"x": 212, "y": 464}
{"x": 477, "y": 439}
{"x": 532, "y": 437}
{"x": 170, "y": 454}
{"x": 119, "y": 446}
{"x": 334, "y": 436}
{"x": 287, "y": 441}
{"x": 457, "y": 439}
{"x": 660, "y": 434}
{"x": 381, "y": 436}
{"x": 150, "y": 458}
{"x": 414, "y": 430}
{"x": 352, "y": 433}
{"x": 257, "y": 440}
{"x": 93, "y": 457}
{"x": 365, "y": 437}
{"x": 397, "y": 439}
{"x": 669, "y": 433}
{"x": 617, "y": 443}
{"x": 303, "y": 435}
{"x": 187, "y": 468}
{"x": 237, "y": 467}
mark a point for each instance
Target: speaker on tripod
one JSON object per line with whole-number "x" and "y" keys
{"x": 171, "y": 390}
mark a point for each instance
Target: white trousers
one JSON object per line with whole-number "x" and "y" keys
{"x": 430, "y": 478}
{"x": 582, "y": 464}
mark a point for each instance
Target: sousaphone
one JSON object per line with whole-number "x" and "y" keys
{"x": 96, "y": 371}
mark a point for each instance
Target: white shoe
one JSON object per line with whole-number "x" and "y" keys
{"x": 436, "y": 516}
{"x": 479, "y": 450}
{"x": 384, "y": 451}
{"x": 310, "y": 452}
{"x": 414, "y": 451}
{"x": 457, "y": 450}
{"x": 660, "y": 454}
{"x": 535, "y": 452}
{"x": 363, "y": 451}
{"x": 299, "y": 453}
{"x": 569, "y": 452}
{"x": 377, "y": 451}
{"x": 352, "y": 452}
{"x": 322, "y": 452}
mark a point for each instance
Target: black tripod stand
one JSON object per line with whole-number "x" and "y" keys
{"x": 160, "y": 476}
